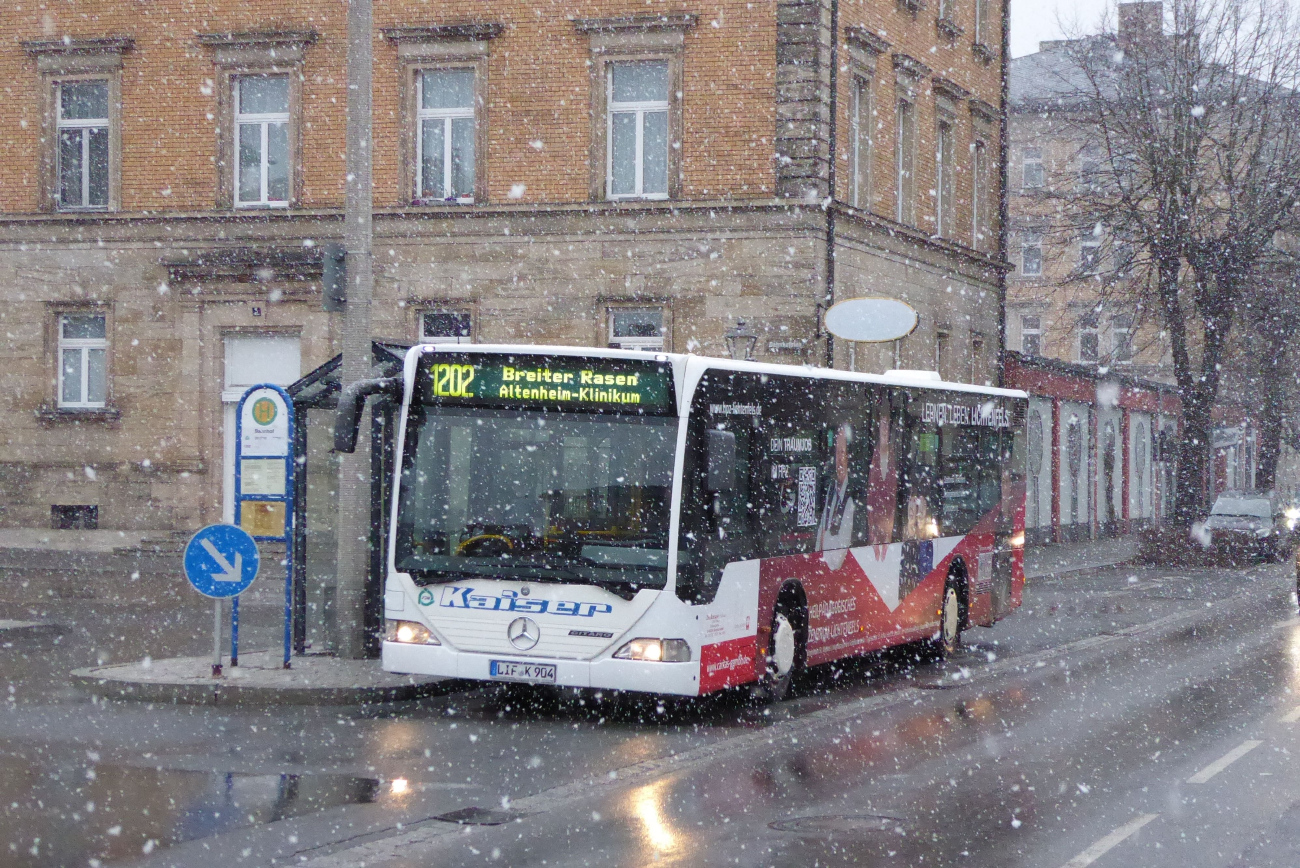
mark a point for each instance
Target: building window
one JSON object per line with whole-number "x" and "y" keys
{"x": 979, "y": 199}
{"x": 1088, "y": 343}
{"x": 446, "y": 141}
{"x": 1032, "y": 168}
{"x": 861, "y": 132}
{"x": 1031, "y": 335}
{"x": 262, "y": 169}
{"x": 976, "y": 356}
{"x": 1090, "y": 167}
{"x": 1121, "y": 331}
{"x": 446, "y": 327}
{"x": 1089, "y": 254}
{"x": 905, "y": 162}
{"x": 1031, "y": 255}
{"x": 636, "y": 329}
{"x": 981, "y": 34}
{"x": 83, "y": 361}
{"x": 943, "y": 171}
{"x": 940, "y": 351}
{"x": 79, "y": 517}
{"x": 638, "y": 130}
{"x": 83, "y": 157}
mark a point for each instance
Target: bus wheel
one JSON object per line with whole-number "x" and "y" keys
{"x": 783, "y": 657}
{"x": 949, "y": 622}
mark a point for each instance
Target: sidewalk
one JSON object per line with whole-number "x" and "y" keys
{"x": 1071, "y": 557}
{"x": 259, "y": 679}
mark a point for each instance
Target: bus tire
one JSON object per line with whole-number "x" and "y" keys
{"x": 951, "y": 620}
{"x": 785, "y": 654}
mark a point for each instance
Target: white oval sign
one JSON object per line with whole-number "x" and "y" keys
{"x": 871, "y": 320}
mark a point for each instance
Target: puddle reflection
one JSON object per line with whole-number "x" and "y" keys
{"x": 88, "y": 814}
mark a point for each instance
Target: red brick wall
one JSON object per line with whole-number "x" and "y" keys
{"x": 538, "y": 79}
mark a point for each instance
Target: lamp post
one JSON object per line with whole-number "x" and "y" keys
{"x": 739, "y": 337}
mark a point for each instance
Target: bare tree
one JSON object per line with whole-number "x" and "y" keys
{"x": 1195, "y": 122}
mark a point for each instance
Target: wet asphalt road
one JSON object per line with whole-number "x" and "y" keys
{"x": 1123, "y": 717}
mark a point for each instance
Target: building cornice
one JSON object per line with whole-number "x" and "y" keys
{"x": 259, "y": 39}
{"x": 983, "y": 110}
{"x": 636, "y": 23}
{"x": 950, "y": 89}
{"x": 462, "y": 31}
{"x": 911, "y": 66}
{"x": 861, "y": 37}
{"x": 106, "y": 45}
{"x": 245, "y": 264}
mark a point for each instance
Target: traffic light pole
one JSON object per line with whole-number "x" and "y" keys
{"x": 354, "y": 469}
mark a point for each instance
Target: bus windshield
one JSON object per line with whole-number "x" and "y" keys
{"x": 538, "y": 496}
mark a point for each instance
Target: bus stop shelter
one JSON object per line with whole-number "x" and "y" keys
{"x": 315, "y": 542}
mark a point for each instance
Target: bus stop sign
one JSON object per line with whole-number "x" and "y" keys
{"x": 221, "y": 561}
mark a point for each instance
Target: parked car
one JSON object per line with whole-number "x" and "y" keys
{"x": 1251, "y": 525}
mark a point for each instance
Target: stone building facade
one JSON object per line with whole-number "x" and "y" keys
{"x": 603, "y": 173}
{"x": 1065, "y": 297}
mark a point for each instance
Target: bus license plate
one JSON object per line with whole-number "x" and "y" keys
{"x": 535, "y": 673}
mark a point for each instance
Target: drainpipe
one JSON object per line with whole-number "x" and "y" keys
{"x": 830, "y": 177}
{"x": 1003, "y": 208}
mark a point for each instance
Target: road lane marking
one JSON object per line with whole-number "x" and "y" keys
{"x": 1105, "y": 845}
{"x": 1292, "y": 716}
{"x": 1224, "y": 761}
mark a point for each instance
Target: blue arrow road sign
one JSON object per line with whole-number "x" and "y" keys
{"x": 221, "y": 561}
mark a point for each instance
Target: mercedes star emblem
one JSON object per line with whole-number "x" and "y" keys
{"x": 523, "y": 633}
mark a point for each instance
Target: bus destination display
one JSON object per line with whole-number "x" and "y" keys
{"x": 596, "y": 384}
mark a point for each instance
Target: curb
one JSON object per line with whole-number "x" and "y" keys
{"x": 100, "y": 681}
{"x": 25, "y": 629}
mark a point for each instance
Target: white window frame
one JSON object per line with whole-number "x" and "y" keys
{"x": 1089, "y": 243}
{"x": 1036, "y": 161}
{"x": 428, "y": 337}
{"x": 447, "y": 116}
{"x": 85, "y": 125}
{"x": 1121, "y": 337}
{"x": 1031, "y": 331}
{"x": 640, "y": 109}
{"x": 1088, "y": 326}
{"x": 83, "y": 346}
{"x": 265, "y": 120}
{"x": 1030, "y": 241}
{"x": 944, "y": 185}
{"x": 941, "y": 339}
{"x": 863, "y": 142}
{"x": 643, "y": 344}
{"x": 905, "y": 162}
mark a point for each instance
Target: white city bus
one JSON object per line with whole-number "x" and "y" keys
{"x": 677, "y": 524}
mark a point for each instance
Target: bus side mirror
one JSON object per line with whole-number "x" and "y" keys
{"x": 351, "y": 401}
{"x": 722, "y": 460}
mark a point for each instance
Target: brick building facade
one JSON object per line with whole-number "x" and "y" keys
{"x": 602, "y": 173}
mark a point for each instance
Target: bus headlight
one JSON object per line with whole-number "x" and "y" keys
{"x": 1017, "y": 541}
{"x": 659, "y": 650}
{"x": 410, "y": 633}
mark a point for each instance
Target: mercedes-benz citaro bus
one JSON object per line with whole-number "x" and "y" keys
{"x": 676, "y": 524}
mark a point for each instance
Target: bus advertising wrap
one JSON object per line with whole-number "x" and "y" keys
{"x": 619, "y": 385}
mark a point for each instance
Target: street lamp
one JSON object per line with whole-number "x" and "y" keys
{"x": 742, "y": 337}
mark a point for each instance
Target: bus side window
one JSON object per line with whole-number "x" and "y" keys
{"x": 917, "y": 453}
{"x": 882, "y": 477}
{"x": 849, "y": 439}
